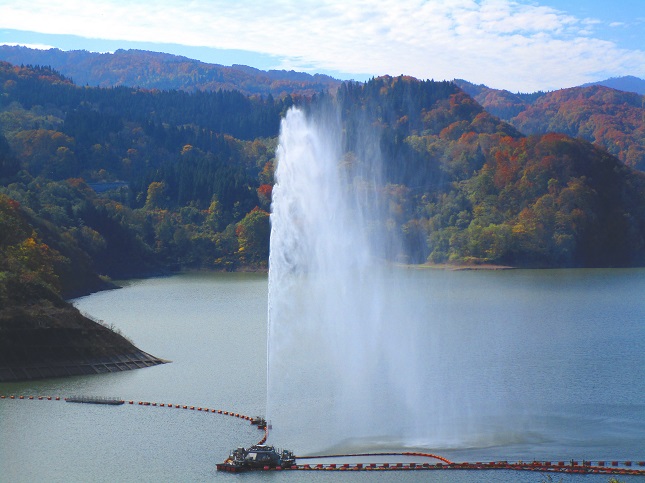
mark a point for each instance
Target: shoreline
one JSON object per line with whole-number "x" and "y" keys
{"x": 457, "y": 267}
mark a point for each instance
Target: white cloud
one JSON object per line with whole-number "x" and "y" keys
{"x": 503, "y": 43}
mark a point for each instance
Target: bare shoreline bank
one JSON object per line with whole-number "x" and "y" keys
{"x": 458, "y": 267}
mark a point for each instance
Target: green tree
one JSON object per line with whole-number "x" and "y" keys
{"x": 156, "y": 194}
{"x": 253, "y": 233}
{"x": 215, "y": 214}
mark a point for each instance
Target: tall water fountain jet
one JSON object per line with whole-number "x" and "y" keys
{"x": 350, "y": 363}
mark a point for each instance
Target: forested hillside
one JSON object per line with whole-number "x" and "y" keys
{"x": 99, "y": 183}
{"x": 466, "y": 187}
{"x": 606, "y": 117}
{"x": 41, "y": 335}
{"x": 612, "y": 119}
{"x": 185, "y": 169}
{"x": 155, "y": 70}
{"x": 122, "y": 182}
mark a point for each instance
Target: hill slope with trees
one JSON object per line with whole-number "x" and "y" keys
{"x": 156, "y": 70}
{"x": 610, "y": 118}
{"x": 470, "y": 187}
{"x": 41, "y": 335}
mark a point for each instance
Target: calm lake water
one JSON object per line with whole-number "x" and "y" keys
{"x": 561, "y": 351}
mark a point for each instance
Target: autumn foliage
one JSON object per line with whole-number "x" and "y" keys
{"x": 123, "y": 182}
{"x": 609, "y": 118}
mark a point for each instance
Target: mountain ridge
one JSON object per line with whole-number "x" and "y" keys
{"x": 212, "y": 76}
{"x": 628, "y": 83}
{"x": 158, "y": 70}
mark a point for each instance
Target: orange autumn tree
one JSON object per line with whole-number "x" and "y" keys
{"x": 264, "y": 194}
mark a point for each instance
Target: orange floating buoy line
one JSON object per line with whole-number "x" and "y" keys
{"x": 258, "y": 421}
{"x": 587, "y": 467}
{"x": 32, "y": 398}
{"x": 605, "y": 467}
{"x": 356, "y": 455}
{"x": 236, "y": 463}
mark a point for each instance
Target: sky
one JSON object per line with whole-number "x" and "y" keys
{"x": 519, "y": 45}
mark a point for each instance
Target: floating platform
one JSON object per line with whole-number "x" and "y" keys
{"x": 111, "y": 401}
{"x": 257, "y": 457}
{"x": 259, "y": 421}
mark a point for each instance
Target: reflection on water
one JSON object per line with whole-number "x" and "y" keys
{"x": 564, "y": 351}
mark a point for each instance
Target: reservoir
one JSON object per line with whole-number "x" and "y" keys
{"x": 557, "y": 355}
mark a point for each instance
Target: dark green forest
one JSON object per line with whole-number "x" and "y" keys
{"x": 100, "y": 183}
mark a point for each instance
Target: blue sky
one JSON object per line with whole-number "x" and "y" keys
{"x": 520, "y": 45}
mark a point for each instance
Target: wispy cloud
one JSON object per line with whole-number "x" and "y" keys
{"x": 30, "y": 46}
{"x": 502, "y": 43}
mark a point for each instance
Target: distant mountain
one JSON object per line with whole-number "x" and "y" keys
{"x": 155, "y": 70}
{"x": 606, "y": 117}
{"x": 610, "y": 118}
{"x": 500, "y": 103}
{"x": 627, "y": 83}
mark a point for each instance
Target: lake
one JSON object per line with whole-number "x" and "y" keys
{"x": 561, "y": 352}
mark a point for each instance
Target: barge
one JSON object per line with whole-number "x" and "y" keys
{"x": 257, "y": 457}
